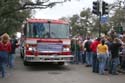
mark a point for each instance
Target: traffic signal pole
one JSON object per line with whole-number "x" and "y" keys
{"x": 97, "y": 9}
{"x": 100, "y": 8}
{"x": 100, "y": 15}
{"x": 100, "y": 24}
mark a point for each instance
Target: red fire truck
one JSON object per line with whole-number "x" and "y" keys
{"x": 46, "y": 41}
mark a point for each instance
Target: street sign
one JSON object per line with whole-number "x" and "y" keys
{"x": 104, "y": 19}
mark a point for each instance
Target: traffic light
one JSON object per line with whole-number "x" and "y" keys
{"x": 104, "y": 8}
{"x": 120, "y": 29}
{"x": 95, "y": 8}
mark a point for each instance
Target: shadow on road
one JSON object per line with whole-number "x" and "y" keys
{"x": 46, "y": 67}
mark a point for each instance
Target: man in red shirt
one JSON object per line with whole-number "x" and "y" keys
{"x": 93, "y": 46}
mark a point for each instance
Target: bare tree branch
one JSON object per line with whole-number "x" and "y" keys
{"x": 32, "y": 5}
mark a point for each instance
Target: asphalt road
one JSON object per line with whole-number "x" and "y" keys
{"x": 48, "y": 73}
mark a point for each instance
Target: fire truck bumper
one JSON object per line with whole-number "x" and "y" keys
{"x": 52, "y": 58}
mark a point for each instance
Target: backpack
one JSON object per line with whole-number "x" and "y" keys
{"x": 87, "y": 45}
{"x": 13, "y": 45}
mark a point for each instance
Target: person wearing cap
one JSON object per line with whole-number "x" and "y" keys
{"x": 5, "y": 48}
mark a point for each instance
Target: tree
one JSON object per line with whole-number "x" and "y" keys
{"x": 118, "y": 17}
{"x": 14, "y": 12}
{"x": 86, "y": 18}
{"x": 73, "y": 23}
{"x": 83, "y": 22}
{"x": 10, "y": 19}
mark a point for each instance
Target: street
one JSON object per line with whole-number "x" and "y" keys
{"x": 63, "y": 30}
{"x": 48, "y": 73}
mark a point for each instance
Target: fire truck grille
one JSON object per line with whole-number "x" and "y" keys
{"x": 49, "y": 47}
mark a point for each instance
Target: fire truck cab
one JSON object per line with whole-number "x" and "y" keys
{"x": 46, "y": 41}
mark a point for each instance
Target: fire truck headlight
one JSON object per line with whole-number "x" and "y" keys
{"x": 30, "y": 49}
{"x": 66, "y": 49}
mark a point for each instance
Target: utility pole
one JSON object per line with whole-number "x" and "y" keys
{"x": 100, "y": 8}
{"x": 97, "y": 11}
{"x": 100, "y": 24}
{"x": 100, "y": 14}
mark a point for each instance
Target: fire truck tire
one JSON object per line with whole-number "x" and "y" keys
{"x": 61, "y": 63}
{"x": 26, "y": 63}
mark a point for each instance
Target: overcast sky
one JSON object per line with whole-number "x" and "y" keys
{"x": 66, "y": 9}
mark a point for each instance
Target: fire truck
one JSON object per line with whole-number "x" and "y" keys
{"x": 46, "y": 40}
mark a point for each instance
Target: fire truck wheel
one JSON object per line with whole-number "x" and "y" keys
{"x": 26, "y": 63}
{"x": 60, "y": 63}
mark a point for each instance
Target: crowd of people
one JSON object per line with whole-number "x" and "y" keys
{"x": 7, "y": 51}
{"x": 101, "y": 54}
{"x": 104, "y": 54}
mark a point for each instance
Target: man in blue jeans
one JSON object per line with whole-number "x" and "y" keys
{"x": 114, "y": 64}
{"x": 115, "y": 47}
{"x": 88, "y": 52}
{"x": 93, "y": 46}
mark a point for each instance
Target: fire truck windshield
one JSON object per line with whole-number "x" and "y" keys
{"x": 47, "y": 30}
